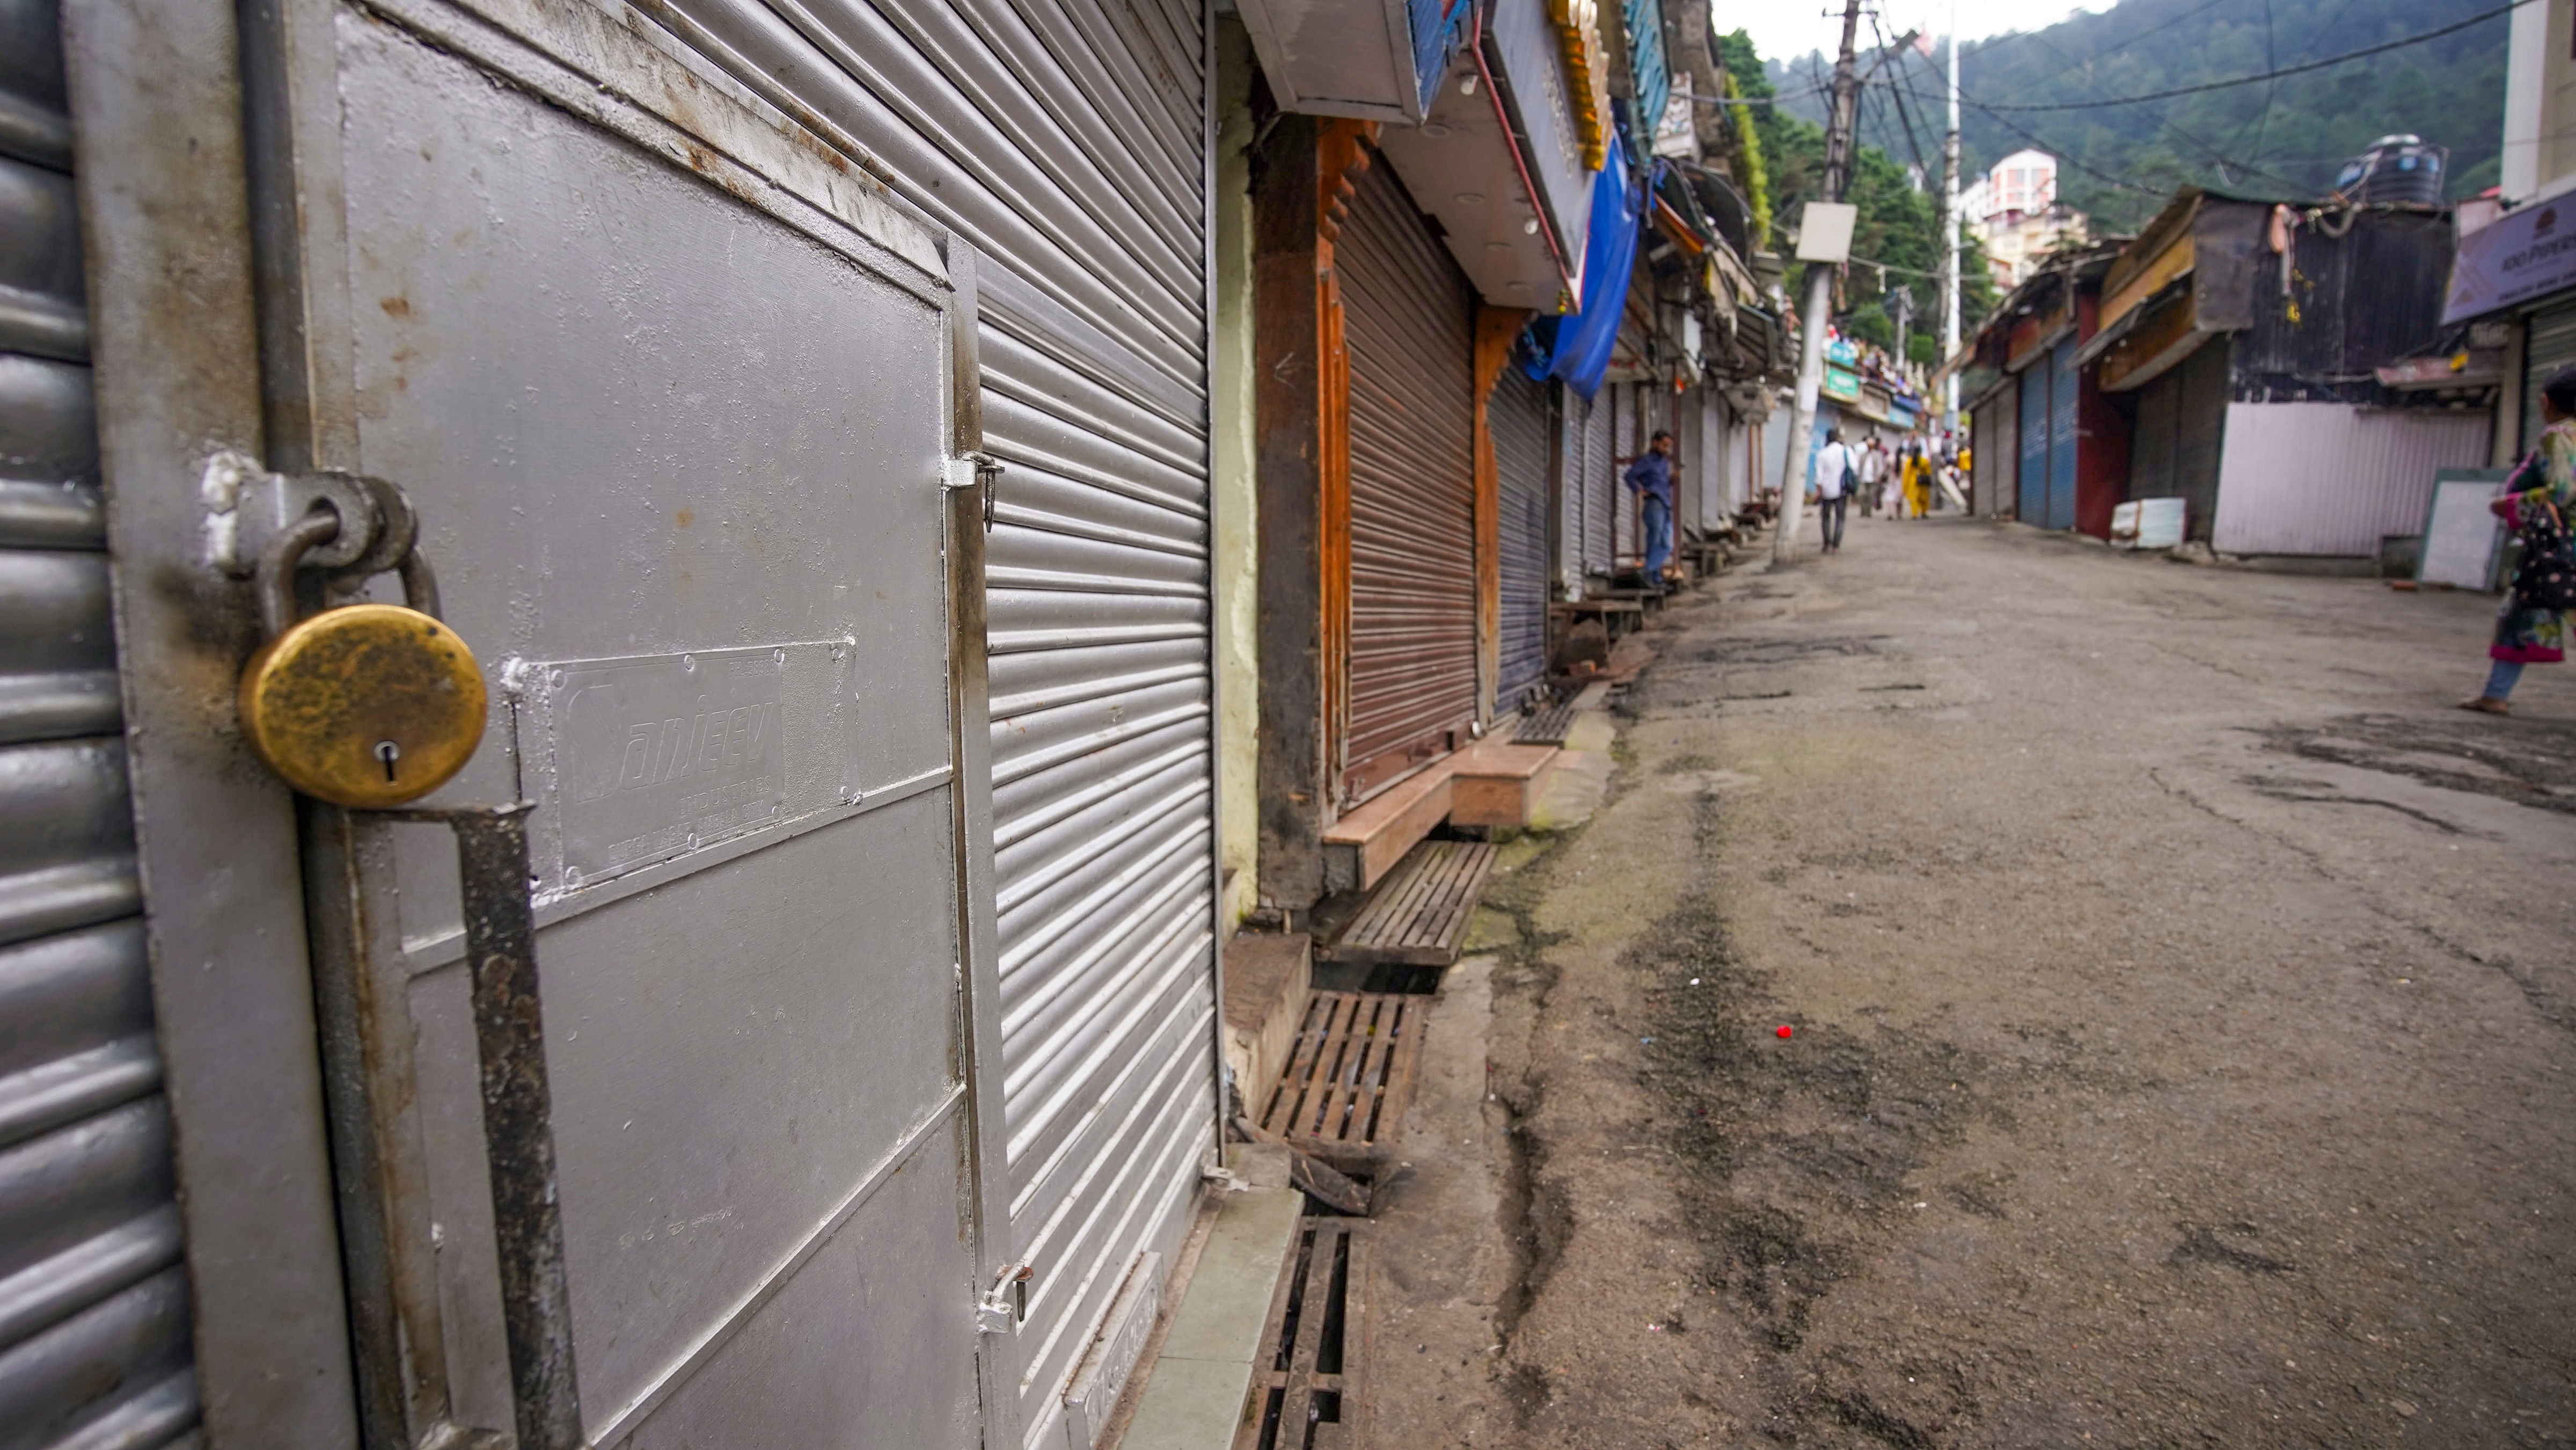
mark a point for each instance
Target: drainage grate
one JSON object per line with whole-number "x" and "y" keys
{"x": 1349, "y": 1076}
{"x": 1306, "y": 1394}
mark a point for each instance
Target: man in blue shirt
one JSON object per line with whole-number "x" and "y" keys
{"x": 1651, "y": 478}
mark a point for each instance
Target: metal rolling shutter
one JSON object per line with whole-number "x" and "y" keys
{"x": 94, "y": 1337}
{"x": 2061, "y": 436}
{"x": 1627, "y": 440}
{"x": 1600, "y": 482}
{"x": 1066, "y": 140}
{"x": 2031, "y": 502}
{"x": 1573, "y": 416}
{"x": 1408, "y": 320}
{"x": 2549, "y": 346}
{"x": 2200, "y": 426}
{"x": 1518, "y": 414}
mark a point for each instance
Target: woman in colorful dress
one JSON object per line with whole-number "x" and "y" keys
{"x": 2540, "y": 497}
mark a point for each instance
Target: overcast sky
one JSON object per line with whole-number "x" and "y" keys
{"x": 1787, "y": 29}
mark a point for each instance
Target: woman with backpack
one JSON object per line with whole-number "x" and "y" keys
{"x": 2531, "y": 629}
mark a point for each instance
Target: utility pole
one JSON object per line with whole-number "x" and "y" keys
{"x": 1820, "y": 298}
{"x": 1950, "y": 244}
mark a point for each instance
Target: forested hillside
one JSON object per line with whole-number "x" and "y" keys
{"x": 2282, "y": 137}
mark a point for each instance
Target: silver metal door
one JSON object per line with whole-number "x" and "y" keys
{"x": 1069, "y": 140}
{"x": 676, "y": 392}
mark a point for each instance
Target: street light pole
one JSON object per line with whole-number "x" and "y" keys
{"x": 1820, "y": 299}
{"x": 1950, "y": 243}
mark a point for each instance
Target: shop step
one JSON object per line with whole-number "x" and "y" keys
{"x": 1268, "y": 976}
{"x": 1360, "y": 848}
{"x": 1495, "y": 782}
{"x": 1419, "y": 914}
{"x": 1349, "y": 1077}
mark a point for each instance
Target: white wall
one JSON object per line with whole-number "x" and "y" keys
{"x": 2330, "y": 478}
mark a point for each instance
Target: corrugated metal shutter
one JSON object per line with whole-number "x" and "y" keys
{"x": 1517, "y": 413}
{"x": 1716, "y": 487}
{"x": 2549, "y": 346}
{"x": 2200, "y": 433}
{"x": 2152, "y": 438}
{"x": 1998, "y": 451}
{"x": 2334, "y": 479}
{"x": 94, "y": 1336}
{"x": 1573, "y": 415}
{"x": 1065, "y": 140}
{"x": 2061, "y": 436}
{"x": 1408, "y": 321}
{"x": 1600, "y": 482}
{"x": 1627, "y": 440}
{"x": 2031, "y": 499}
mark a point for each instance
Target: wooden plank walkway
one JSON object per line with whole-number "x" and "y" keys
{"x": 1419, "y": 912}
{"x": 1306, "y": 1389}
{"x": 1349, "y": 1077}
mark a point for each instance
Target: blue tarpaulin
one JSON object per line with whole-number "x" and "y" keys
{"x": 1576, "y": 346}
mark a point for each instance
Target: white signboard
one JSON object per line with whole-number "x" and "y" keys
{"x": 1825, "y": 231}
{"x": 2460, "y": 536}
{"x": 2529, "y": 252}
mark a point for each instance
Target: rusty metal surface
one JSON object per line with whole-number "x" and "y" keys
{"x": 1409, "y": 322}
{"x": 518, "y": 1117}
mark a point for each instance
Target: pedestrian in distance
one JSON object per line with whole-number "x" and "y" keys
{"x": 1651, "y": 479}
{"x": 1873, "y": 472}
{"x": 2531, "y": 627}
{"x": 1829, "y": 484}
{"x": 1918, "y": 488}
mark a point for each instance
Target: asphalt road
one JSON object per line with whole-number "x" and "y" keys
{"x": 2183, "y": 1051}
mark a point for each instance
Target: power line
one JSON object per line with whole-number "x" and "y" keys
{"x": 2290, "y": 70}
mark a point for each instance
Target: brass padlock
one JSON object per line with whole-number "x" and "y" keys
{"x": 365, "y": 705}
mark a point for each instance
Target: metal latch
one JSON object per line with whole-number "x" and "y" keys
{"x": 981, "y": 471}
{"x": 1005, "y": 1306}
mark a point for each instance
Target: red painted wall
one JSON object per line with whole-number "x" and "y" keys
{"x": 2101, "y": 435}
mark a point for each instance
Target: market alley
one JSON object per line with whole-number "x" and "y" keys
{"x": 2180, "y": 1016}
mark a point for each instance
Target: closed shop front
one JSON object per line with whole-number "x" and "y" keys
{"x": 1408, "y": 326}
{"x": 2548, "y": 347}
{"x": 1998, "y": 450}
{"x": 871, "y": 852}
{"x": 1518, "y": 417}
{"x": 2031, "y": 481}
{"x": 2061, "y": 436}
{"x": 2174, "y": 444}
{"x": 1583, "y": 545}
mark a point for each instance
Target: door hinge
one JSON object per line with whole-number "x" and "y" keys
{"x": 1005, "y": 1306}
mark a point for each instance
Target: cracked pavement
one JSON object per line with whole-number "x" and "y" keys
{"x": 2183, "y": 1033}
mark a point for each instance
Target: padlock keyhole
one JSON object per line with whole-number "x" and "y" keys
{"x": 388, "y": 752}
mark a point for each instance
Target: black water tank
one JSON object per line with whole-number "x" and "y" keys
{"x": 2395, "y": 169}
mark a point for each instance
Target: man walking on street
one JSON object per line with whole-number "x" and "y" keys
{"x": 1873, "y": 472}
{"x": 1651, "y": 477}
{"x": 1831, "y": 485}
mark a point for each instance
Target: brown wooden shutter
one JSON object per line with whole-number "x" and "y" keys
{"x": 1408, "y": 328}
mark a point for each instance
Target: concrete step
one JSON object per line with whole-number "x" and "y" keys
{"x": 1267, "y": 977}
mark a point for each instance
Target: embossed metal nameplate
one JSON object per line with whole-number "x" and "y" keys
{"x": 641, "y": 759}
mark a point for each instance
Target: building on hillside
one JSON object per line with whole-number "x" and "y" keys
{"x": 2024, "y": 182}
{"x": 2513, "y": 286}
{"x": 2017, "y": 242}
{"x": 2017, "y": 216}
